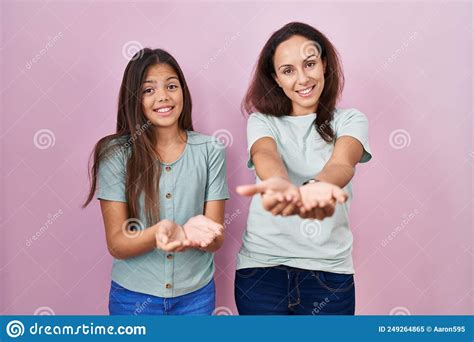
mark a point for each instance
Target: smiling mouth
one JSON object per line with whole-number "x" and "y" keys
{"x": 306, "y": 91}
{"x": 163, "y": 110}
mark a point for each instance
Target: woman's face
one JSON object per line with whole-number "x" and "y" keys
{"x": 162, "y": 96}
{"x": 299, "y": 71}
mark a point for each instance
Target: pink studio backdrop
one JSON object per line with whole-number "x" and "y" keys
{"x": 408, "y": 67}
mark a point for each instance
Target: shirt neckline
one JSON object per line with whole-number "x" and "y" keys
{"x": 182, "y": 153}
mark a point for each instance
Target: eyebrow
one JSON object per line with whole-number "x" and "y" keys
{"x": 169, "y": 78}
{"x": 287, "y": 65}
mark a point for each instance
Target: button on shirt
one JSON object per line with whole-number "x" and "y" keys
{"x": 308, "y": 244}
{"x": 197, "y": 176}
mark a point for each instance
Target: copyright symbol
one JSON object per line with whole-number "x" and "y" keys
{"x": 428, "y": 329}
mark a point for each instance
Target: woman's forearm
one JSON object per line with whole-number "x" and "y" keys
{"x": 268, "y": 165}
{"x": 337, "y": 174}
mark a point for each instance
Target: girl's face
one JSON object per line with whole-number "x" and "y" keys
{"x": 299, "y": 71}
{"x": 162, "y": 96}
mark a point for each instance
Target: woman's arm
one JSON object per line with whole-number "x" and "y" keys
{"x": 123, "y": 244}
{"x": 267, "y": 161}
{"x": 279, "y": 196}
{"x": 339, "y": 170}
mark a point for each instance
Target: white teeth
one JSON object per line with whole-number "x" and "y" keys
{"x": 164, "y": 110}
{"x": 305, "y": 91}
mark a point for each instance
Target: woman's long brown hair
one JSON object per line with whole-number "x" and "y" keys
{"x": 135, "y": 140}
{"x": 265, "y": 96}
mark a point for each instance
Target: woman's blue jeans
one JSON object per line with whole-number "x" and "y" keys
{"x": 283, "y": 290}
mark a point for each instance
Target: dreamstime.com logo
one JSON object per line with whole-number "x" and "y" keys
{"x": 16, "y": 329}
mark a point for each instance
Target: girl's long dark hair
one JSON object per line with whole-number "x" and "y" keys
{"x": 134, "y": 136}
{"x": 265, "y": 96}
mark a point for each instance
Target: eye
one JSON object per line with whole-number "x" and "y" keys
{"x": 148, "y": 91}
{"x": 287, "y": 71}
{"x": 172, "y": 86}
{"x": 311, "y": 64}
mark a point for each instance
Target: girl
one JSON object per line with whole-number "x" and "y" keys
{"x": 304, "y": 151}
{"x": 161, "y": 188}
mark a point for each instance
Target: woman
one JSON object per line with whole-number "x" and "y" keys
{"x": 296, "y": 252}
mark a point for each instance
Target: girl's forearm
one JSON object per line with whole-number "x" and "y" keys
{"x": 131, "y": 244}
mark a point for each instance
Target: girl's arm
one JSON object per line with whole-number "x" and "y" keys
{"x": 123, "y": 244}
{"x": 215, "y": 211}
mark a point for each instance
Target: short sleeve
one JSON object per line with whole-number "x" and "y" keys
{"x": 257, "y": 128}
{"x": 355, "y": 124}
{"x": 216, "y": 186}
{"x": 111, "y": 176}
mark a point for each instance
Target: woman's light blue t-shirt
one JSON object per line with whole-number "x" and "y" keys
{"x": 197, "y": 176}
{"x": 308, "y": 244}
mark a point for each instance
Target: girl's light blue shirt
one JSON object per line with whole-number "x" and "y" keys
{"x": 197, "y": 176}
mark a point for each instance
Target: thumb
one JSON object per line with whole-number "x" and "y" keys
{"x": 339, "y": 195}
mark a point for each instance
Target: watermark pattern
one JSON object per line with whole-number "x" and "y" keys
{"x": 223, "y": 136}
{"x": 222, "y": 311}
{"x": 406, "y": 220}
{"x": 44, "y": 139}
{"x": 130, "y": 50}
{"x": 141, "y": 306}
{"x": 399, "y": 311}
{"x": 319, "y": 306}
{"x": 310, "y": 228}
{"x": 44, "y": 311}
{"x": 399, "y": 138}
{"x": 394, "y": 56}
{"x": 140, "y": 130}
{"x": 48, "y": 223}
{"x": 49, "y": 45}
{"x": 221, "y": 51}
{"x": 133, "y": 228}
{"x": 310, "y": 48}
{"x": 228, "y": 218}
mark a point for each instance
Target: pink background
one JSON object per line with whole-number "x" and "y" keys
{"x": 408, "y": 67}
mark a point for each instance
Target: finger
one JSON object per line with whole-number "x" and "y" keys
{"x": 251, "y": 189}
{"x": 280, "y": 197}
{"x": 303, "y": 213}
{"x": 319, "y": 213}
{"x": 289, "y": 210}
{"x": 210, "y": 231}
{"x": 278, "y": 208}
{"x": 308, "y": 205}
{"x": 329, "y": 210}
{"x": 171, "y": 246}
{"x": 162, "y": 237}
{"x": 195, "y": 244}
{"x": 269, "y": 203}
{"x": 204, "y": 244}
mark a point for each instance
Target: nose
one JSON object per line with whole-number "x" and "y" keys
{"x": 302, "y": 78}
{"x": 162, "y": 96}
